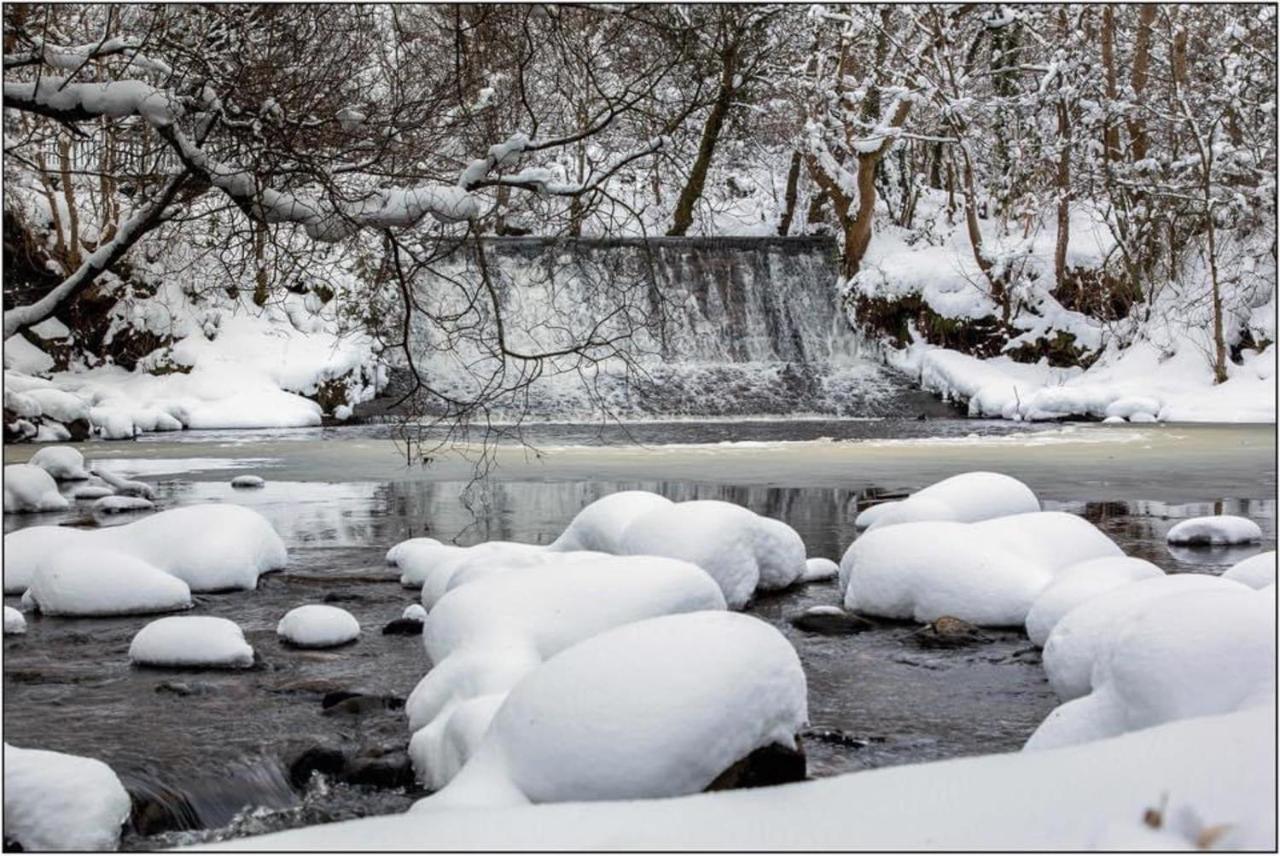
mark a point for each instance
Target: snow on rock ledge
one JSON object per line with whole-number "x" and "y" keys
{"x": 191, "y": 641}
{"x": 655, "y": 708}
{"x": 1191, "y": 654}
{"x": 964, "y": 498}
{"x": 986, "y": 573}
{"x": 1257, "y": 572}
{"x": 1223, "y": 529}
{"x": 318, "y": 626}
{"x": 29, "y": 488}
{"x": 54, "y": 801}
{"x": 211, "y": 547}
{"x": 90, "y": 581}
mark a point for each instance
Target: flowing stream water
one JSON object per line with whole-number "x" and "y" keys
{"x": 207, "y": 754}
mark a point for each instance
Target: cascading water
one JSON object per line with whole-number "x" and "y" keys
{"x": 673, "y": 326}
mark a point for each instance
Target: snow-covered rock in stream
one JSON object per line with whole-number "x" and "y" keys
{"x": 414, "y": 612}
{"x": 987, "y": 573}
{"x": 1257, "y": 572}
{"x": 318, "y": 626}
{"x": 91, "y": 580}
{"x": 393, "y": 554}
{"x": 91, "y": 491}
{"x": 248, "y": 481}
{"x": 62, "y": 462}
{"x": 964, "y": 498}
{"x": 818, "y": 569}
{"x": 211, "y": 547}
{"x": 187, "y": 641}
{"x": 1086, "y": 634}
{"x": 121, "y": 505}
{"x": 29, "y": 488}
{"x": 54, "y": 801}
{"x": 1194, "y": 653}
{"x": 614, "y": 717}
{"x": 741, "y": 550}
{"x": 435, "y": 568}
{"x": 1078, "y": 583}
{"x": 14, "y": 623}
{"x": 124, "y": 486}
{"x": 601, "y": 525}
{"x": 484, "y": 637}
{"x": 1221, "y": 530}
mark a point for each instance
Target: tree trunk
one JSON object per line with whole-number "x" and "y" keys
{"x": 1138, "y": 81}
{"x": 789, "y": 203}
{"x": 1064, "y": 197}
{"x": 857, "y": 233}
{"x": 692, "y": 192}
{"x": 69, "y": 194}
{"x": 1110, "y": 133}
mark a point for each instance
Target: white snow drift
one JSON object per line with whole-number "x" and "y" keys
{"x": 191, "y": 641}
{"x": 964, "y": 498}
{"x": 601, "y": 525}
{"x": 318, "y": 626}
{"x": 1215, "y": 531}
{"x": 30, "y": 488}
{"x": 1257, "y": 572}
{"x": 54, "y": 801}
{"x": 14, "y": 623}
{"x": 89, "y": 581}
{"x": 62, "y": 462}
{"x": 988, "y": 573}
{"x": 653, "y": 708}
{"x": 1081, "y": 582}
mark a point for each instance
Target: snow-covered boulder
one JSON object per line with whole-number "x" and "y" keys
{"x": 59, "y": 404}
{"x": 30, "y": 488}
{"x": 1087, "y": 632}
{"x": 1215, "y": 531}
{"x": 739, "y": 549}
{"x": 654, "y": 708}
{"x": 1053, "y": 540}
{"x": 394, "y": 552}
{"x": 318, "y": 626}
{"x": 1190, "y": 654}
{"x": 92, "y": 581}
{"x": 248, "y": 481}
{"x": 124, "y": 486}
{"x": 1078, "y": 583}
{"x": 414, "y": 612}
{"x": 816, "y": 570}
{"x": 600, "y": 526}
{"x": 486, "y": 636}
{"x": 91, "y": 491}
{"x": 14, "y": 623}
{"x": 121, "y": 505}
{"x": 54, "y": 801}
{"x": 437, "y": 567}
{"x": 211, "y": 547}
{"x": 963, "y": 498}
{"x": 187, "y": 641}
{"x": 1257, "y": 572}
{"x": 62, "y": 462}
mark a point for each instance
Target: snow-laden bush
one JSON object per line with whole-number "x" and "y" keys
{"x": 964, "y": 498}
{"x": 191, "y": 641}
{"x": 654, "y": 708}
{"x": 1194, "y": 653}
{"x": 54, "y": 801}
{"x": 30, "y": 488}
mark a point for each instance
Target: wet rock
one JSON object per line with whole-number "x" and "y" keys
{"x": 836, "y": 737}
{"x": 403, "y": 627}
{"x": 183, "y": 688}
{"x": 341, "y": 597}
{"x": 831, "y": 621}
{"x": 948, "y": 632}
{"x": 774, "y": 764}
{"x": 156, "y": 810}
{"x": 312, "y": 686}
{"x": 358, "y": 704}
{"x": 326, "y": 760}
{"x": 392, "y": 770}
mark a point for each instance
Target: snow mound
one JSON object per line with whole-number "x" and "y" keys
{"x": 14, "y": 623}
{"x": 655, "y": 708}
{"x": 394, "y": 553}
{"x": 211, "y": 547}
{"x": 988, "y": 573}
{"x": 30, "y": 488}
{"x": 1081, "y": 582}
{"x": 124, "y": 486}
{"x": 318, "y": 626}
{"x": 92, "y": 491}
{"x": 741, "y": 550}
{"x": 484, "y": 637}
{"x": 121, "y": 505}
{"x": 191, "y": 640}
{"x": 414, "y": 612}
{"x": 1087, "y": 632}
{"x": 1190, "y": 654}
{"x": 816, "y": 570}
{"x": 439, "y": 569}
{"x": 1222, "y": 529}
{"x": 248, "y": 481}
{"x": 62, "y": 462}
{"x": 1257, "y": 572}
{"x": 92, "y": 581}
{"x": 964, "y": 498}
{"x": 55, "y": 802}
{"x": 600, "y": 526}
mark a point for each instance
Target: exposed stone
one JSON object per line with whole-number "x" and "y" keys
{"x": 403, "y": 627}
{"x": 774, "y": 764}
{"x": 949, "y": 632}
{"x": 831, "y": 621}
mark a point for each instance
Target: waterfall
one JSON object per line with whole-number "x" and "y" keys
{"x": 677, "y": 326}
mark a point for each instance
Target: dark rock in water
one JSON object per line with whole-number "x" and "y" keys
{"x": 179, "y": 688}
{"x": 312, "y": 686}
{"x": 326, "y": 760}
{"x": 79, "y": 429}
{"x": 836, "y": 737}
{"x": 385, "y": 771}
{"x": 830, "y": 621}
{"x": 340, "y": 597}
{"x": 403, "y": 627}
{"x": 948, "y": 632}
{"x": 357, "y": 704}
{"x": 11, "y": 846}
{"x": 774, "y": 764}
{"x": 156, "y": 809}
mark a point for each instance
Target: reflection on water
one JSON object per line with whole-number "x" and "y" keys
{"x": 204, "y": 745}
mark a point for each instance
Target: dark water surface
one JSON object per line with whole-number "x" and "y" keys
{"x": 212, "y": 748}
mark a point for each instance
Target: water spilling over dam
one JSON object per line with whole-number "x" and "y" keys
{"x": 648, "y": 328}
